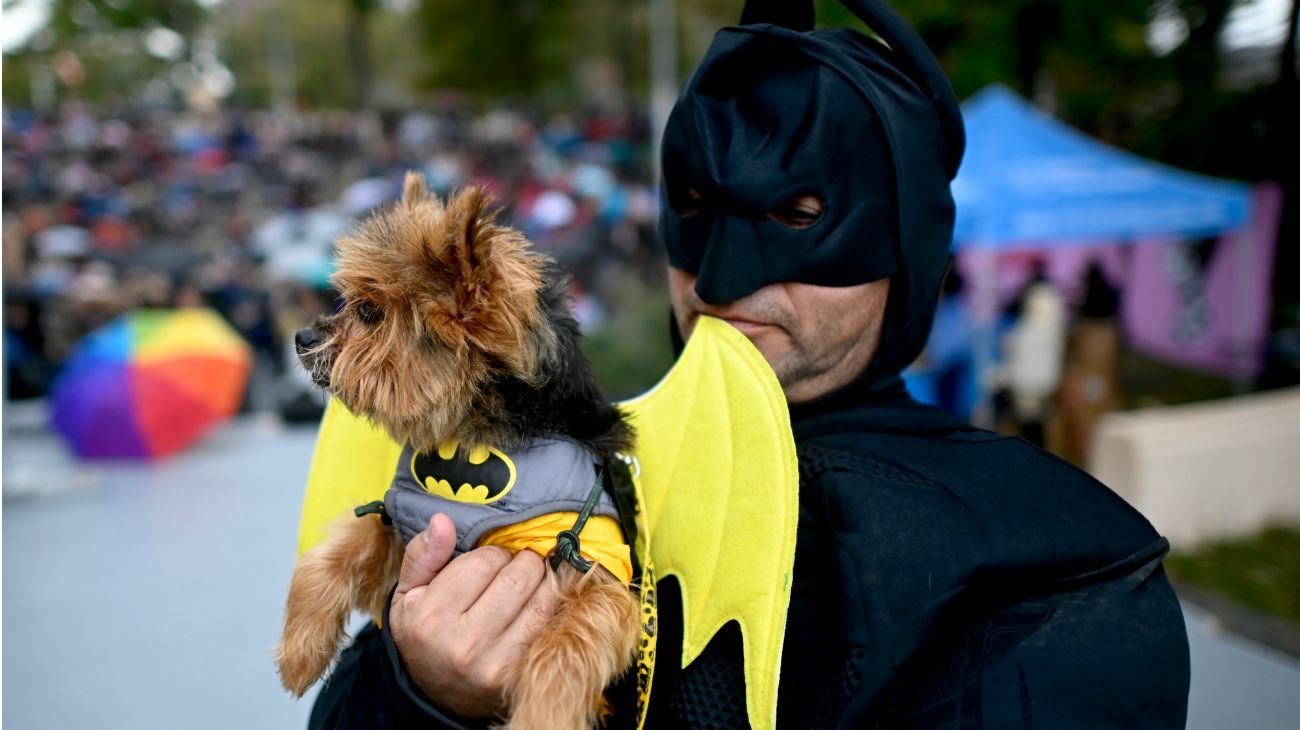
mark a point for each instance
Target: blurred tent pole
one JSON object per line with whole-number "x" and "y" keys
{"x": 984, "y": 302}
{"x": 41, "y": 79}
{"x": 283, "y": 69}
{"x": 1246, "y": 251}
{"x": 663, "y": 73}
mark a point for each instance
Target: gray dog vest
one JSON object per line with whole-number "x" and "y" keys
{"x": 482, "y": 488}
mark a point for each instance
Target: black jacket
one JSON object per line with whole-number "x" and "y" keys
{"x": 945, "y": 577}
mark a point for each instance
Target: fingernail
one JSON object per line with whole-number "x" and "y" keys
{"x": 432, "y": 530}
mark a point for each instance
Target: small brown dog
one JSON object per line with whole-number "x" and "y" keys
{"x": 453, "y": 330}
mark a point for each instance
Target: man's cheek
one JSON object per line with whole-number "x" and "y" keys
{"x": 686, "y": 323}
{"x": 775, "y": 346}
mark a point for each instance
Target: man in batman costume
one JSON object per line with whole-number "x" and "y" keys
{"x": 944, "y": 576}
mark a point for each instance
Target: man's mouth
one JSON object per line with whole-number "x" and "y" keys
{"x": 746, "y": 326}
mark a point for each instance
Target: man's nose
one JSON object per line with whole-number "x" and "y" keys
{"x": 307, "y": 338}
{"x": 732, "y": 266}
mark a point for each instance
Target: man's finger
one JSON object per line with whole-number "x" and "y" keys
{"x": 509, "y": 591}
{"x": 427, "y": 554}
{"x": 460, "y": 584}
{"x": 539, "y": 607}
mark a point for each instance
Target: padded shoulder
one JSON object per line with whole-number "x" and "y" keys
{"x": 1038, "y": 518}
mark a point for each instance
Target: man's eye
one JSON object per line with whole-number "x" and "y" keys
{"x": 368, "y": 312}
{"x": 801, "y": 213}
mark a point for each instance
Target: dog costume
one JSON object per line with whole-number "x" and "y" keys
{"x": 718, "y": 418}
{"x": 518, "y": 500}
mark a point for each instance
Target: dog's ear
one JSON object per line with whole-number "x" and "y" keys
{"x": 496, "y": 279}
{"x": 414, "y": 189}
{"x": 471, "y": 236}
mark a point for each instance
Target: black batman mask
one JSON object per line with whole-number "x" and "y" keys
{"x": 778, "y": 112}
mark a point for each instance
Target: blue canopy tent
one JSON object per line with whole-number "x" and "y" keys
{"x": 1030, "y": 182}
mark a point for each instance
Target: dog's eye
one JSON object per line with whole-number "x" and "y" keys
{"x": 369, "y": 313}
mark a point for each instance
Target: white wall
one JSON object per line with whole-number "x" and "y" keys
{"x": 1206, "y": 471}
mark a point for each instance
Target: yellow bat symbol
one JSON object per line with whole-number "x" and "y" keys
{"x": 481, "y": 476}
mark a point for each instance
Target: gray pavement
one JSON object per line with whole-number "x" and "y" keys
{"x": 1237, "y": 683}
{"x": 149, "y": 597}
{"x": 141, "y": 596}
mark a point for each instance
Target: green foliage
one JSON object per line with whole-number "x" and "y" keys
{"x": 107, "y": 38}
{"x": 1151, "y": 382}
{"x": 541, "y": 49}
{"x": 1262, "y": 572}
{"x": 308, "y": 34}
{"x": 1086, "y": 54}
{"x": 70, "y": 19}
{"x": 497, "y": 46}
{"x": 1088, "y": 62}
{"x": 318, "y": 42}
{"x": 631, "y": 350}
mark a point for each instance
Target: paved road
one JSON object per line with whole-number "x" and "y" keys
{"x": 1237, "y": 683}
{"x": 149, "y": 596}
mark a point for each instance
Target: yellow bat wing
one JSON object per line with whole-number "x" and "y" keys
{"x": 353, "y": 464}
{"x": 719, "y": 491}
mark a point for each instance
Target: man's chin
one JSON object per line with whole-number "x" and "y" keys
{"x": 773, "y": 347}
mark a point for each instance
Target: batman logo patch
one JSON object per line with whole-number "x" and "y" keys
{"x": 482, "y": 476}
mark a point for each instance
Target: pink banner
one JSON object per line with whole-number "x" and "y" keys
{"x": 1203, "y": 305}
{"x": 1206, "y": 304}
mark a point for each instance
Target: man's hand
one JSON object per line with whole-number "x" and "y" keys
{"x": 458, "y": 625}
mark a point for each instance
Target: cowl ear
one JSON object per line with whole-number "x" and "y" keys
{"x": 797, "y": 15}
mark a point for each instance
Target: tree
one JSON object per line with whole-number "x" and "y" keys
{"x": 121, "y": 45}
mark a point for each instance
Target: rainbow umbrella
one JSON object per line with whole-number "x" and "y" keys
{"x": 150, "y": 383}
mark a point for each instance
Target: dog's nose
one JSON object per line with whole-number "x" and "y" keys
{"x": 307, "y": 338}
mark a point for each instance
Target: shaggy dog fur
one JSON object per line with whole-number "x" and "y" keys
{"x": 453, "y": 328}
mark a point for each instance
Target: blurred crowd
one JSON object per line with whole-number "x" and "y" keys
{"x": 1053, "y": 360}
{"x": 159, "y": 208}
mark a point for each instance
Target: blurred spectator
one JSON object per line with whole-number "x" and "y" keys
{"x": 151, "y": 207}
{"x": 1090, "y": 385}
{"x": 27, "y": 372}
{"x": 1033, "y": 352}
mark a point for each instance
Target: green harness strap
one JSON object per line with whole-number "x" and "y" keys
{"x": 568, "y": 548}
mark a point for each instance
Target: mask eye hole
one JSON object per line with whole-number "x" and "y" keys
{"x": 368, "y": 312}
{"x": 692, "y": 202}
{"x": 800, "y": 213}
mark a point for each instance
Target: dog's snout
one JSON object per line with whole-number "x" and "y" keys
{"x": 307, "y": 338}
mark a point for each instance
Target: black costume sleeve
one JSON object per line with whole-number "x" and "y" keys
{"x": 369, "y": 689}
{"x": 969, "y": 582}
{"x": 881, "y": 561}
{"x": 1109, "y": 652}
{"x": 1001, "y": 599}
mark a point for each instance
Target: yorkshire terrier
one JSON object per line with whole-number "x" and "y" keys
{"x": 453, "y": 331}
